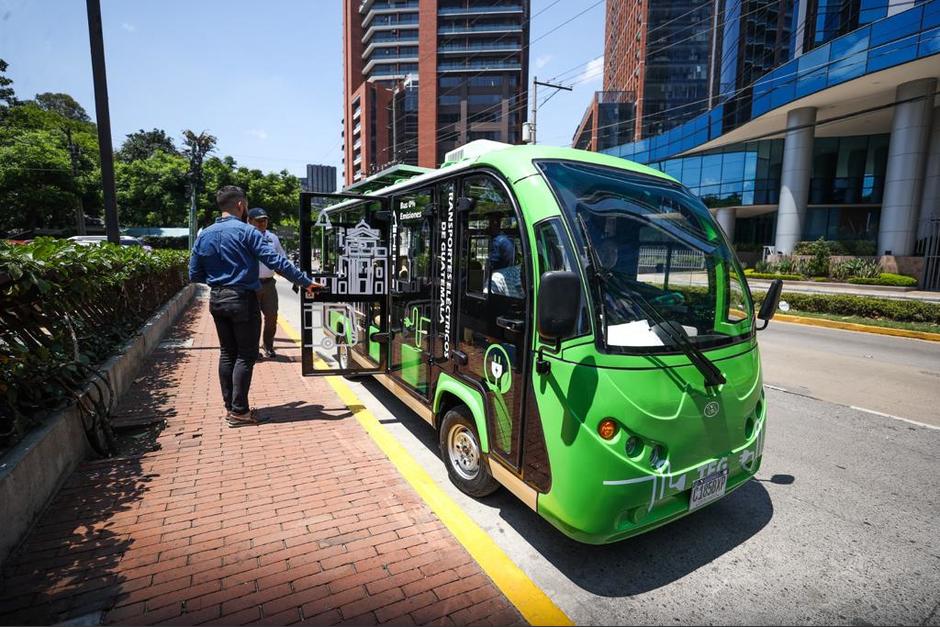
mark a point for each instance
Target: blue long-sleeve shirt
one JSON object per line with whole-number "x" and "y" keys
{"x": 226, "y": 254}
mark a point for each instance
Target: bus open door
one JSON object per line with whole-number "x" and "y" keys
{"x": 344, "y": 327}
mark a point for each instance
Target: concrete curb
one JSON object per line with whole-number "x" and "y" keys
{"x": 862, "y": 328}
{"x": 33, "y": 471}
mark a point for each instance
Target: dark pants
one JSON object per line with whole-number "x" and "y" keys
{"x": 267, "y": 298}
{"x": 237, "y": 321}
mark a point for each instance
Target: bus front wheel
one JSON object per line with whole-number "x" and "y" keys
{"x": 463, "y": 456}
{"x": 343, "y": 360}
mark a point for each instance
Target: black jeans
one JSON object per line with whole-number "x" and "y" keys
{"x": 238, "y": 323}
{"x": 267, "y": 296}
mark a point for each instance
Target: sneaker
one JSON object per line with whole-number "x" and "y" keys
{"x": 250, "y": 417}
{"x": 269, "y": 353}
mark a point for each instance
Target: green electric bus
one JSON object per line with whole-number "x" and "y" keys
{"x": 574, "y": 325}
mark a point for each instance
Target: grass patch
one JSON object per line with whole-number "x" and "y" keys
{"x": 874, "y": 322}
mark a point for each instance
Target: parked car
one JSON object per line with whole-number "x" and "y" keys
{"x": 95, "y": 240}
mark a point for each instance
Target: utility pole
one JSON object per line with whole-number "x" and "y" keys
{"x": 535, "y": 103}
{"x": 103, "y": 119}
{"x": 74, "y": 151}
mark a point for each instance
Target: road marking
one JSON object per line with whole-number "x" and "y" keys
{"x": 529, "y": 599}
{"x": 855, "y": 407}
{"x": 884, "y": 415}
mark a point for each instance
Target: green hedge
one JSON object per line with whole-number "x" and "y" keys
{"x": 64, "y": 308}
{"x": 770, "y": 275}
{"x": 860, "y": 248}
{"x": 886, "y": 278}
{"x": 900, "y": 310}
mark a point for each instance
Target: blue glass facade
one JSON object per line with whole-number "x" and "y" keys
{"x": 846, "y": 170}
{"x": 887, "y": 42}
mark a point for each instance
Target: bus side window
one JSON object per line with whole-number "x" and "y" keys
{"x": 494, "y": 248}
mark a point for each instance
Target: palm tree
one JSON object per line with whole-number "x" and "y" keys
{"x": 196, "y": 147}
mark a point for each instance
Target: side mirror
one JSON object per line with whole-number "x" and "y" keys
{"x": 559, "y": 304}
{"x": 769, "y": 307}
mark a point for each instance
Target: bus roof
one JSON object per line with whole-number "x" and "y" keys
{"x": 514, "y": 162}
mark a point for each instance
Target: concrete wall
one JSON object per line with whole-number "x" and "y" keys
{"x": 32, "y": 472}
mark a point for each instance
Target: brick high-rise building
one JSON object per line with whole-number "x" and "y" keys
{"x": 422, "y": 77}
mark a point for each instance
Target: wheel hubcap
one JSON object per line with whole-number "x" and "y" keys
{"x": 464, "y": 452}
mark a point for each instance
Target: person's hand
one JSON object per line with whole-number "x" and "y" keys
{"x": 312, "y": 289}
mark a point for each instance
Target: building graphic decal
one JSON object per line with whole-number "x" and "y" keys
{"x": 361, "y": 266}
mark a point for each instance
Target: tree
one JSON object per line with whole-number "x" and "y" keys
{"x": 144, "y": 144}
{"x": 36, "y": 182}
{"x": 42, "y": 184}
{"x": 6, "y": 92}
{"x": 63, "y": 104}
{"x": 196, "y": 149}
{"x": 152, "y": 191}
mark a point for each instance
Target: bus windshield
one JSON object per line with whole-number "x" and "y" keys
{"x": 659, "y": 264}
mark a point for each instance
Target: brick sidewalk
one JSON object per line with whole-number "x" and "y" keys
{"x": 301, "y": 519}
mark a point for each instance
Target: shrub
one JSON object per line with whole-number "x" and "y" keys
{"x": 897, "y": 309}
{"x": 855, "y": 268}
{"x": 64, "y": 307}
{"x": 859, "y": 247}
{"x": 886, "y": 278}
{"x": 762, "y": 266}
{"x": 818, "y": 263}
{"x": 785, "y": 265}
{"x": 809, "y": 248}
{"x": 773, "y": 275}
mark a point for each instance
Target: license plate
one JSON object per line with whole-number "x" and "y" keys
{"x": 708, "y": 489}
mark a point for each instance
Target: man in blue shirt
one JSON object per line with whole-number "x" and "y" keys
{"x": 226, "y": 256}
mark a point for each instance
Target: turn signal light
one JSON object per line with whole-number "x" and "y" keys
{"x": 607, "y": 429}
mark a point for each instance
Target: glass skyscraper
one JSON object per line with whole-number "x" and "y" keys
{"x": 819, "y": 118}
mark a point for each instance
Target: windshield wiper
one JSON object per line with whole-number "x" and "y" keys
{"x": 710, "y": 371}
{"x": 680, "y": 339}
{"x": 595, "y": 275}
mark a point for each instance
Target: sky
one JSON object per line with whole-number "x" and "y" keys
{"x": 263, "y": 77}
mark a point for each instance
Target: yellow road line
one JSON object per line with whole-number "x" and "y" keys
{"x": 863, "y": 328}
{"x": 529, "y": 599}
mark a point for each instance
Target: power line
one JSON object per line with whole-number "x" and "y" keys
{"x": 438, "y": 136}
{"x": 776, "y": 79}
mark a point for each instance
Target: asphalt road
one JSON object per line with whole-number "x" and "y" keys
{"x": 840, "y": 525}
{"x": 895, "y": 376}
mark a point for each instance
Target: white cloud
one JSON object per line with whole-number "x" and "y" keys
{"x": 128, "y": 27}
{"x": 593, "y": 71}
{"x": 258, "y": 133}
{"x": 543, "y": 61}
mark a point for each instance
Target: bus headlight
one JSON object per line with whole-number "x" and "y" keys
{"x": 634, "y": 446}
{"x": 658, "y": 457}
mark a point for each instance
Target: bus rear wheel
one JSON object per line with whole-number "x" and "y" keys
{"x": 463, "y": 456}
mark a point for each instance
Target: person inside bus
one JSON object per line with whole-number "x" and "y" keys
{"x": 505, "y": 277}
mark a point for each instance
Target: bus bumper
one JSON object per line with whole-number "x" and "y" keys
{"x": 625, "y": 509}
